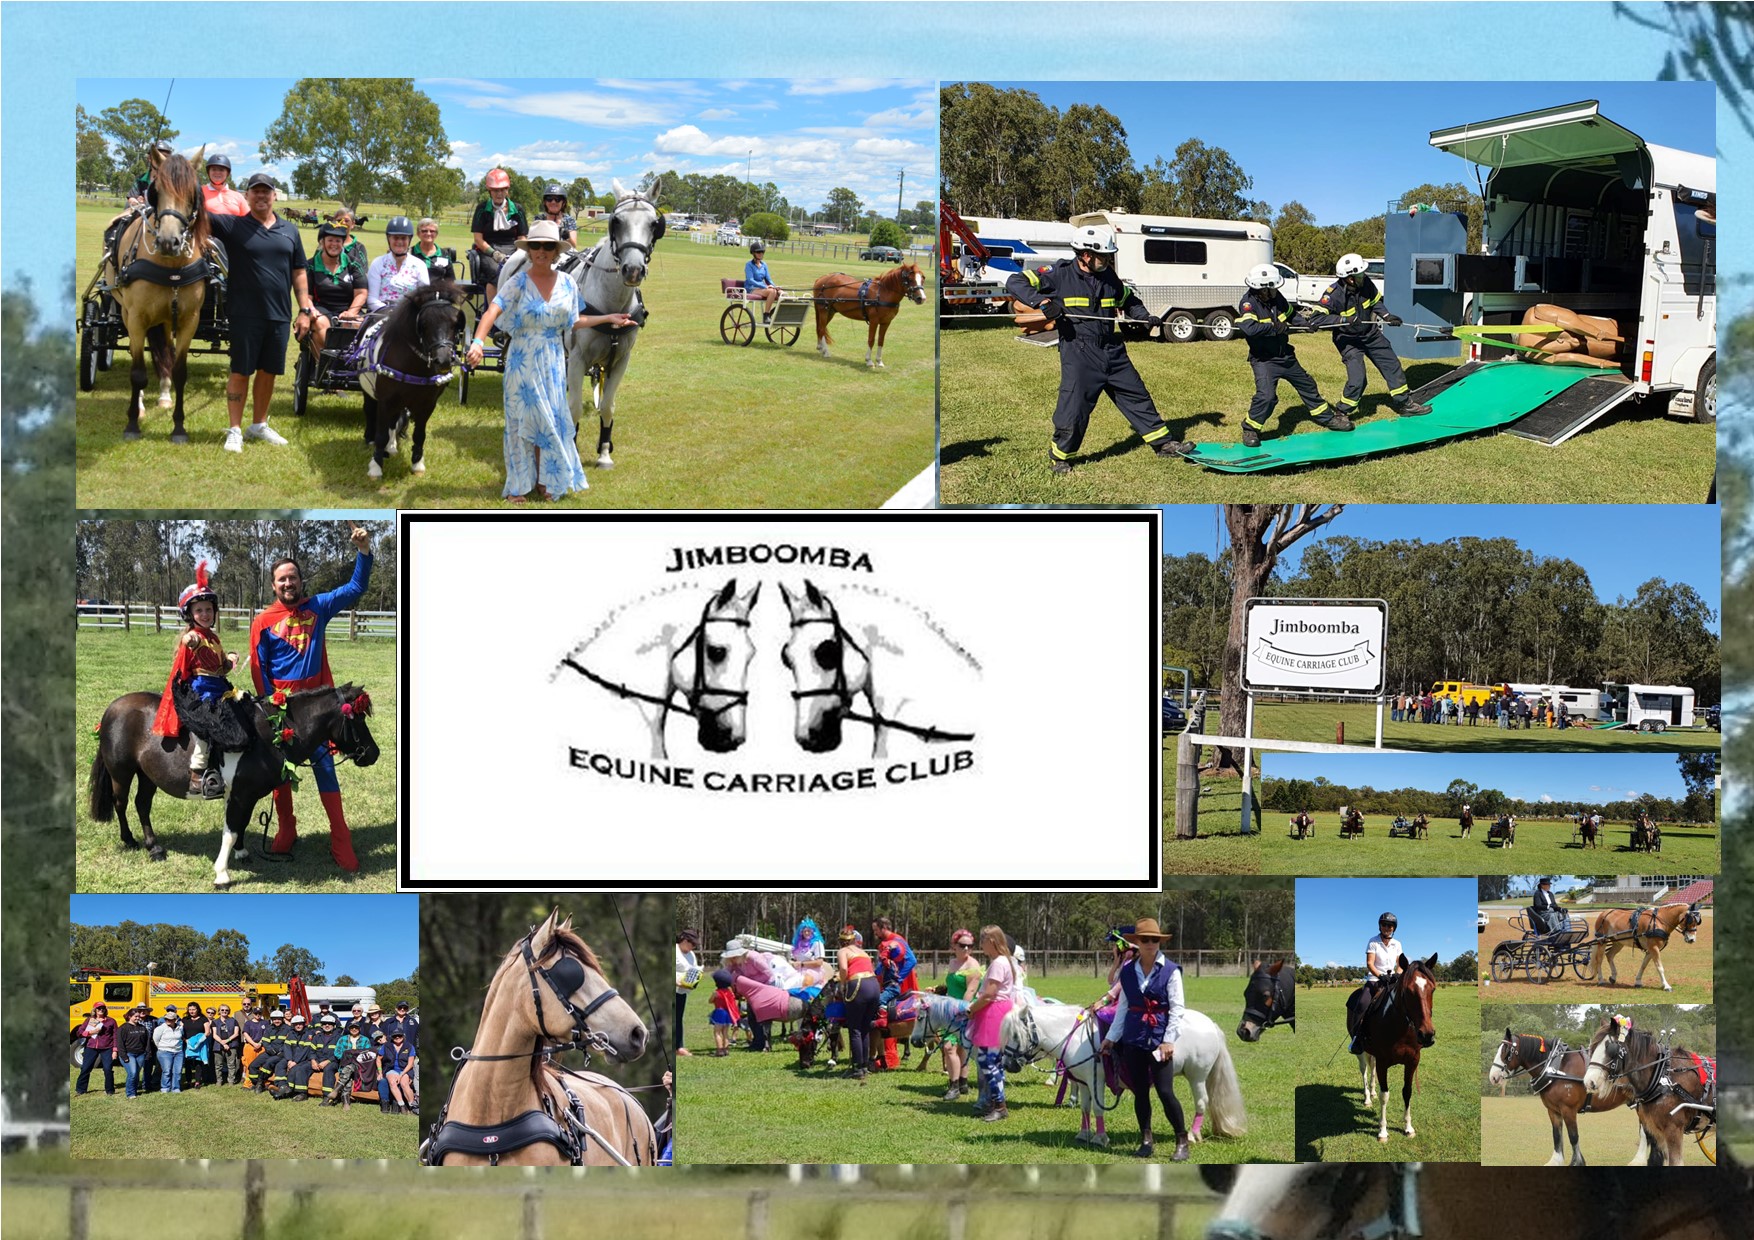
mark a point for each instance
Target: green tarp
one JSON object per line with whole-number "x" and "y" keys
{"x": 1495, "y": 395}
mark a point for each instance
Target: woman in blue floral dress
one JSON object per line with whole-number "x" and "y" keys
{"x": 536, "y": 307}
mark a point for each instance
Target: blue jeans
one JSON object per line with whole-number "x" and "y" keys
{"x": 92, "y": 1059}
{"x": 170, "y": 1064}
{"x": 134, "y": 1075}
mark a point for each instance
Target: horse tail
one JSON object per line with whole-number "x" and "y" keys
{"x": 101, "y": 792}
{"x": 1224, "y": 1105}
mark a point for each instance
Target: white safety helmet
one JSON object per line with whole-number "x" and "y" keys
{"x": 1264, "y": 275}
{"x": 1349, "y": 265}
{"x": 1094, "y": 240}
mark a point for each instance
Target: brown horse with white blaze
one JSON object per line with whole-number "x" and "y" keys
{"x": 159, "y": 274}
{"x": 876, "y": 301}
{"x": 1649, "y": 930}
{"x": 1394, "y": 1033}
{"x": 1555, "y": 1073}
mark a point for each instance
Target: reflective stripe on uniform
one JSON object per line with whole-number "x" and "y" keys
{"x": 1154, "y": 436}
{"x": 1247, "y": 318}
{"x": 1349, "y": 312}
{"x": 1034, "y": 280}
{"x": 1109, "y": 302}
{"x": 1254, "y": 425}
{"x": 1319, "y": 410}
{"x": 1400, "y": 391}
{"x": 1074, "y": 301}
{"x": 1055, "y": 449}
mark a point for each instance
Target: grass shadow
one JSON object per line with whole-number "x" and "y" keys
{"x": 1325, "y": 1111}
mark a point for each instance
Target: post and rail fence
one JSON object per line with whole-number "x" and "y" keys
{"x": 163, "y": 617}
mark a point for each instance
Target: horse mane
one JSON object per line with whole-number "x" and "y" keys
{"x": 176, "y": 175}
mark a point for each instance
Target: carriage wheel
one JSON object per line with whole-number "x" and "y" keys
{"x": 87, "y": 361}
{"x": 737, "y": 325}
{"x": 783, "y": 333}
{"x": 1503, "y": 965}
{"x": 1553, "y": 963}
{"x": 1583, "y": 964}
{"x": 301, "y": 382}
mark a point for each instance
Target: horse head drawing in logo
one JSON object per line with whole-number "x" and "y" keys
{"x": 832, "y": 673}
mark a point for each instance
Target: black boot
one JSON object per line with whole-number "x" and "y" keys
{"x": 1251, "y": 438}
{"x": 1172, "y": 447}
{"x": 1335, "y": 421}
{"x": 384, "y": 1106}
{"x": 1058, "y": 466}
{"x": 1411, "y": 408}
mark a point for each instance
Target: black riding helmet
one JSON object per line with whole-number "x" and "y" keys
{"x": 1389, "y": 920}
{"x": 758, "y": 246}
{"x": 399, "y": 226}
{"x": 219, "y": 161}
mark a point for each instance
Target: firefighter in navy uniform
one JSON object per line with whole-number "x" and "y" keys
{"x": 323, "y": 1039}
{"x": 269, "y": 1068}
{"x": 1266, "y": 320}
{"x": 301, "y": 1057}
{"x": 1081, "y": 296}
{"x": 1352, "y": 306}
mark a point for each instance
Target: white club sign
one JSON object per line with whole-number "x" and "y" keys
{"x": 1315, "y": 646}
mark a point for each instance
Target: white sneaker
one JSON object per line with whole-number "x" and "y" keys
{"x": 264, "y": 432}
{"x": 234, "y": 439}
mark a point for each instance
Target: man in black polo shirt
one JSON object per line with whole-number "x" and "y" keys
{"x": 267, "y": 272}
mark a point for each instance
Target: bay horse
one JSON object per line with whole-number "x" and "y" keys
{"x": 1647, "y": 929}
{"x": 877, "y": 301}
{"x": 1422, "y": 826}
{"x": 1502, "y": 830}
{"x": 1587, "y": 832}
{"x": 1269, "y": 999}
{"x": 1462, "y": 1201}
{"x": 1302, "y": 826}
{"x": 159, "y": 276}
{"x": 1394, "y": 1033}
{"x": 1073, "y": 1035}
{"x": 518, "y": 1107}
{"x": 128, "y": 751}
{"x": 1555, "y": 1073}
{"x": 1351, "y": 823}
{"x": 1675, "y": 1091}
{"x": 403, "y": 364}
{"x": 1466, "y": 821}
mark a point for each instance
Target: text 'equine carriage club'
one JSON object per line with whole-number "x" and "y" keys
{"x": 775, "y": 782}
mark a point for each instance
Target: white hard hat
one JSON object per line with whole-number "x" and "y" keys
{"x": 1264, "y": 275}
{"x": 1094, "y": 239}
{"x": 1349, "y": 265}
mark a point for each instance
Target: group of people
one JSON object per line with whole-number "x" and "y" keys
{"x": 277, "y": 1052}
{"x": 1084, "y": 299}
{"x": 287, "y": 653}
{"x": 1508, "y": 711}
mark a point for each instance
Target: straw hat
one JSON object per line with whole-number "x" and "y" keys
{"x": 544, "y": 230}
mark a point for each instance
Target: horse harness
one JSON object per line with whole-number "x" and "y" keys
{"x": 173, "y": 278}
{"x": 533, "y": 1127}
{"x": 364, "y": 355}
{"x": 1662, "y": 1080}
{"x": 693, "y": 705}
{"x": 841, "y": 689}
{"x": 265, "y": 819}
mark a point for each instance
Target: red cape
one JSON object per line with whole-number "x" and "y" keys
{"x": 270, "y": 616}
{"x": 165, "y": 722}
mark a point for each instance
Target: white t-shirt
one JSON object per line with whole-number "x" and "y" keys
{"x": 687, "y": 970}
{"x": 1383, "y": 955}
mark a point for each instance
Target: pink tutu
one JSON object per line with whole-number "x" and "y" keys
{"x": 983, "y": 1026}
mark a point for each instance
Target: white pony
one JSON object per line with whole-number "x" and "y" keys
{"x": 1070, "y": 1034}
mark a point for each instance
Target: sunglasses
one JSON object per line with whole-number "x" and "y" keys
{"x": 554, "y": 198}
{"x": 542, "y": 245}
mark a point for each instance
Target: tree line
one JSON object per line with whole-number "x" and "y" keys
{"x": 1484, "y": 610}
{"x": 1464, "y": 968}
{"x": 189, "y": 956}
{"x": 154, "y": 560}
{"x": 1250, "y": 915}
{"x": 1006, "y": 153}
{"x": 1319, "y": 796}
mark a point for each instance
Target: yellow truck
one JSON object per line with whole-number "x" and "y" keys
{"x": 1463, "y": 692}
{"x": 121, "y": 991}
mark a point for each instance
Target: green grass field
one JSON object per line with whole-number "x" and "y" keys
{"x": 1515, "y": 1132}
{"x": 1317, "y": 721}
{"x": 997, "y": 401}
{"x": 1220, "y": 847}
{"x": 1688, "y": 966}
{"x": 110, "y": 664}
{"x": 699, "y": 424}
{"x": 222, "y": 1122}
{"x": 761, "y": 1108}
{"x": 1333, "y": 1125}
{"x": 1541, "y": 847}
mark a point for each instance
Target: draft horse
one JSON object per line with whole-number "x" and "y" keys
{"x": 1555, "y": 1073}
{"x": 1465, "y": 820}
{"x": 1675, "y": 1091}
{"x": 1647, "y": 929}
{"x": 518, "y": 1106}
{"x": 403, "y": 364}
{"x": 876, "y": 301}
{"x": 159, "y": 273}
{"x": 1395, "y": 1031}
{"x": 128, "y": 751}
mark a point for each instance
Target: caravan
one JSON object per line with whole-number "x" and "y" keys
{"x": 1649, "y": 708}
{"x": 1191, "y": 273}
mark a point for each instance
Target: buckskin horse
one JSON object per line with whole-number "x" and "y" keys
{"x": 1269, "y": 999}
{"x": 1555, "y": 1073}
{"x": 517, "y": 1106}
{"x": 1675, "y": 1091}
{"x": 159, "y": 273}
{"x": 877, "y": 301}
{"x": 1647, "y": 929}
{"x": 1458, "y": 1201}
{"x": 1395, "y": 1031}
{"x": 127, "y": 750}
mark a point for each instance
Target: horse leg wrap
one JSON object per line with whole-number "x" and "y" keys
{"x": 1199, "y": 1120}
{"x": 288, "y": 829}
{"x": 340, "y": 838}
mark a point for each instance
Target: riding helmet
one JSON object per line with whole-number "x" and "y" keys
{"x": 201, "y": 590}
{"x": 554, "y": 190}
{"x": 399, "y": 226}
{"x": 219, "y": 161}
{"x": 1388, "y": 919}
{"x": 758, "y": 246}
{"x": 496, "y": 178}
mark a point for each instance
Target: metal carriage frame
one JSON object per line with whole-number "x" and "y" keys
{"x": 1544, "y": 958}
{"x": 738, "y": 322}
{"x": 102, "y": 330}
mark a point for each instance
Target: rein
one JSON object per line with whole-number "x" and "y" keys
{"x": 691, "y": 706}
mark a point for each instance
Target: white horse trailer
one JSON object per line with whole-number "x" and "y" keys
{"x": 1649, "y": 708}
{"x": 1578, "y": 703}
{"x": 1583, "y": 213}
{"x": 1189, "y": 272}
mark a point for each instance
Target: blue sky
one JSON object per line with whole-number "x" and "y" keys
{"x": 371, "y": 938}
{"x": 1621, "y": 546}
{"x": 805, "y": 135}
{"x": 1559, "y": 776}
{"x": 1337, "y": 916}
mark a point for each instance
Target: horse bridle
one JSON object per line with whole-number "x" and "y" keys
{"x": 1619, "y": 1050}
{"x": 696, "y": 691}
{"x": 155, "y": 213}
{"x": 645, "y": 251}
{"x": 1398, "y": 1221}
{"x": 420, "y": 346}
{"x": 841, "y": 691}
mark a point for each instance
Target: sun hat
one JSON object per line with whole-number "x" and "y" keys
{"x": 544, "y": 230}
{"x": 1146, "y": 929}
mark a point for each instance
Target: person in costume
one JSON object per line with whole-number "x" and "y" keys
{"x": 807, "y": 943}
{"x": 900, "y": 968}
{"x": 858, "y": 991}
{"x": 725, "y": 1014}
{"x": 200, "y": 664}
{"x": 1146, "y": 1024}
{"x": 965, "y": 973}
{"x": 287, "y": 651}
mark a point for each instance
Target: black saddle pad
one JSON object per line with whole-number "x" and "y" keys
{"x": 226, "y": 725}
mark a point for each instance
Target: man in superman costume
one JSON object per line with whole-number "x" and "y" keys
{"x": 287, "y": 651}
{"x": 896, "y": 961}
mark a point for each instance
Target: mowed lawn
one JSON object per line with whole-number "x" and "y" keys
{"x": 111, "y": 664}
{"x": 224, "y": 1122}
{"x": 1320, "y": 721}
{"x": 1333, "y": 1124}
{"x": 699, "y": 423}
{"x": 997, "y": 401}
{"x": 1220, "y": 847}
{"x": 1542, "y": 846}
{"x": 762, "y": 1107}
{"x": 1515, "y": 1131}
{"x": 1688, "y": 966}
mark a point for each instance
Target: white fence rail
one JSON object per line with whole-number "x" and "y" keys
{"x": 163, "y": 618}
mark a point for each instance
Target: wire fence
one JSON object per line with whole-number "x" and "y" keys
{"x": 164, "y": 617}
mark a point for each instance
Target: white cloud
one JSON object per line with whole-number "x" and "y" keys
{"x": 847, "y": 86}
{"x": 914, "y": 116}
{"x": 582, "y": 107}
{"x": 1547, "y": 799}
{"x": 717, "y": 114}
{"x": 655, "y": 86}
